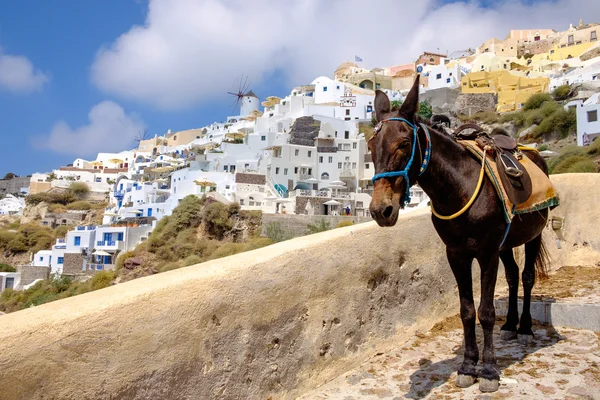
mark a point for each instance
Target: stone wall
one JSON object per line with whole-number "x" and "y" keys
{"x": 30, "y": 273}
{"x": 252, "y": 179}
{"x": 14, "y": 185}
{"x": 274, "y": 322}
{"x": 539, "y": 47}
{"x": 442, "y": 99}
{"x": 73, "y": 264}
{"x": 471, "y": 103}
{"x": 296, "y": 225}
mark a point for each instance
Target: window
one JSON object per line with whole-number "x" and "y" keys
{"x": 448, "y": 80}
{"x": 377, "y": 86}
{"x": 226, "y": 186}
{"x": 263, "y": 138}
{"x": 310, "y": 171}
{"x": 296, "y": 152}
{"x": 77, "y": 240}
{"x": 330, "y": 160}
{"x": 335, "y": 133}
{"x": 276, "y": 170}
{"x": 438, "y": 76}
{"x": 241, "y": 202}
{"x": 367, "y": 166}
{"x": 295, "y": 170}
{"x": 61, "y": 260}
{"x": 592, "y": 116}
{"x": 10, "y": 283}
{"x": 285, "y": 171}
{"x": 347, "y": 112}
{"x": 339, "y": 165}
{"x": 353, "y": 165}
{"x": 346, "y": 134}
{"x": 321, "y": 159}
{"x": 324, "y": 88}
{"x": 431, "y": 59}
{"x": 450, "y": 74}
{"x": 354, "y": 145}
{"x": 571, "y": 39}
{"x": 337, "y": 87}
{"x": 339, "y": 146}
{"x": 324, "y": 176}
{"x": 226, "y": 168}
{"x": 309, "y": 154}
{"x": 593, "y": 36}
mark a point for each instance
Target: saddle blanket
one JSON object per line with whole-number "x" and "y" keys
{"x": 543, "y": 193}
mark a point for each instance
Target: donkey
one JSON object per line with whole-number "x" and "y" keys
{"x": 448, "y": 173}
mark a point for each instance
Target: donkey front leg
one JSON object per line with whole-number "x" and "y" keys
{"x": 461, "y": 268}
{"x": 490, "y": 377}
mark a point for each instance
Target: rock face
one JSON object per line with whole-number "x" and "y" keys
{"x": 304, "y": 131}
{"x": 274, "y": 322}
{"x": 472, "y": 103}
{"x": 528, "y": 131}
{"x": 34, "y": 213}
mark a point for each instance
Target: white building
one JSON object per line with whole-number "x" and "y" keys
{"x": 444, "y": 75}
{"x": 588, "y": 124}
{"x": 42, "y": 258}
{"x": 11, "y": 205}
{"x": 10, "y": 280}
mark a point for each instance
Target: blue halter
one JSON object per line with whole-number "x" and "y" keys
{"x": 404, "y": 172}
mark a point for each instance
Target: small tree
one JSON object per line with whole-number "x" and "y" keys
{"x": 396, "y": 104}
{"x": 561, "y": 93}
{"x": 10, "y": 175}
{"x": 275, "y": 232}
{"x": 425, "y": 109}
{"x": 79, "y": 189}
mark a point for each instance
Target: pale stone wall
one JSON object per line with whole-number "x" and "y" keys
{"x": 276, "y": 321}
{"x": 30, "y": 273}
{"x": 296, "y": 225}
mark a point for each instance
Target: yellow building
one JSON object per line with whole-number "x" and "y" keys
{"x": 512, "y": 90}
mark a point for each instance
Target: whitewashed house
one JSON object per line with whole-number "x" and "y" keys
{"x": 11, "y": 205}
{"x": 588, "y": 122}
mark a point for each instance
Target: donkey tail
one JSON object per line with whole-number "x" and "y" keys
{"x": 542, "y": 260}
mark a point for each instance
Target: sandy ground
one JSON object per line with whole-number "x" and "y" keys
{"x": 560, "y": 364}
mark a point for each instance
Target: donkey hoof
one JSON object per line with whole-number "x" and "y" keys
{"x": 525, "y": 339}
{"x": 508, "y": 335}
{"x": 464, "y": 381}
{"x": 488, "y": 385}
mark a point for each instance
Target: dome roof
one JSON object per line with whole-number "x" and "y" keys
{"x": 345, "y": 65}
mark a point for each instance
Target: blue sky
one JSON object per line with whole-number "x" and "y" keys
{"x": 103, "y": 69}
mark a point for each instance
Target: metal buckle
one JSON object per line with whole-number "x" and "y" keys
{"x": 513, "y": 171}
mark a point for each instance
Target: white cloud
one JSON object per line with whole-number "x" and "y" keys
{"x": 188, "y": 51}
{"x": 18, "y": 75}
{"x": 109, "y": 129}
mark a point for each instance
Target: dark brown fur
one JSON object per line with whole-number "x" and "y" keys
{"x": 449, "y": 181}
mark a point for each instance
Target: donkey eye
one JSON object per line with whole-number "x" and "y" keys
{"x": 403, "y": 145}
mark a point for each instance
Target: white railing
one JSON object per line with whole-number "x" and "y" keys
{"x": 271, "y": 184}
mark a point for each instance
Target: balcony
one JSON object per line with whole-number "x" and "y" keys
{"x": 119, "y": 194}
{"x": 110, "y": 245}
{"x": 81, "y": 228}
{"x": 327, "y": 149}
{"x": 98, "y": 267}
{"x": 347, "y": 173}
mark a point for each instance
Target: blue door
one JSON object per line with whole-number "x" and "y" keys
{"x": 120, "y": 236}
{"x": 106, "y": 260}
{"x": 149, "y": 212}
{"x": 77, "y": 241}
{"x": 107, "y": 237}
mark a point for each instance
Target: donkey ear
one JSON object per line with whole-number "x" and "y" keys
{"x": 411, "y": 103}
{"x": 382, "y": 105}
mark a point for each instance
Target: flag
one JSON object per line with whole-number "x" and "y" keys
{"x": 357, "y": 59}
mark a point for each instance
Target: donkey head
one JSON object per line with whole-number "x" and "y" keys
{"x": 391, "y": 149}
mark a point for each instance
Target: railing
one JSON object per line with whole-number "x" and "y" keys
{"x": 106, "y": 243}
{"x": 60, "y": 241}
{"x": 81, "y": 228}
{"x": 119, "y": 193}
{"x": 64, "y": 246}
{"x": 327, "y": 149}
{"x": 91, "y": 228}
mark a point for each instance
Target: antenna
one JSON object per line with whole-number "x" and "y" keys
{"x": 236, "y": 106}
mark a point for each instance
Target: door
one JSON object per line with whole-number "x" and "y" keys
{"x": 10, "y": 283}
{"x": 107, "y": 237}
{"x": 149, "y": 212}
{"x": 120, "y": 236}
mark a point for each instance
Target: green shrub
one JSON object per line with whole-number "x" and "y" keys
{"x": 561, "y": 92}
{"x": 192, "y": 260}
{"x": 216, "y": 220}
{"x": 487, "y": 117}
{"x": 61, "y": 231}
{"x": 275, "y": 232}
{"x": 17, "y": 245}
{"x": 396, "y": 104}
{"x": 342, "y": 224}
{"x": 561, "y": 122}
{"x": 5, "y": 238}
{"x": 101, "y": 280}
{"x": 79, "y": 205}
{"x": 543, "y": 147}
{"x": 536, "y": 101}
{"x": 565, "y": 165}
{"x": 583, "y": 166}
{"x": 57, "y": 208}
{"x": 187, "y": 214}
{"x": 79, "y": 189}
{"x": 170, "y": 266}
{"x": 565, "y": 153}
{"x": 594, "y": 148}
{"x": 320, "y": 225}
{"x": 124, "y": 257}
{"x": 63, "y": 198}
{"x": 7, "y": 268}
{"x": 425, "y": 109}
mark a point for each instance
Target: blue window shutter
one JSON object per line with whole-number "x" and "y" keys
{"x": 61, "y": 260}
{"x": 120, "y": 236}
{"x": 77, "y": 240}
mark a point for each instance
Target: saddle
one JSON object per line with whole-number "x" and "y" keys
{"x": 505, "y": 151}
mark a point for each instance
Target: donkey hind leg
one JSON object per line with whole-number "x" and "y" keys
{"x": 490, "y": 376}
{"x": 461, "y": 268}
{"x": 532, "y": 250}
{"x": 511, "y": 270}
